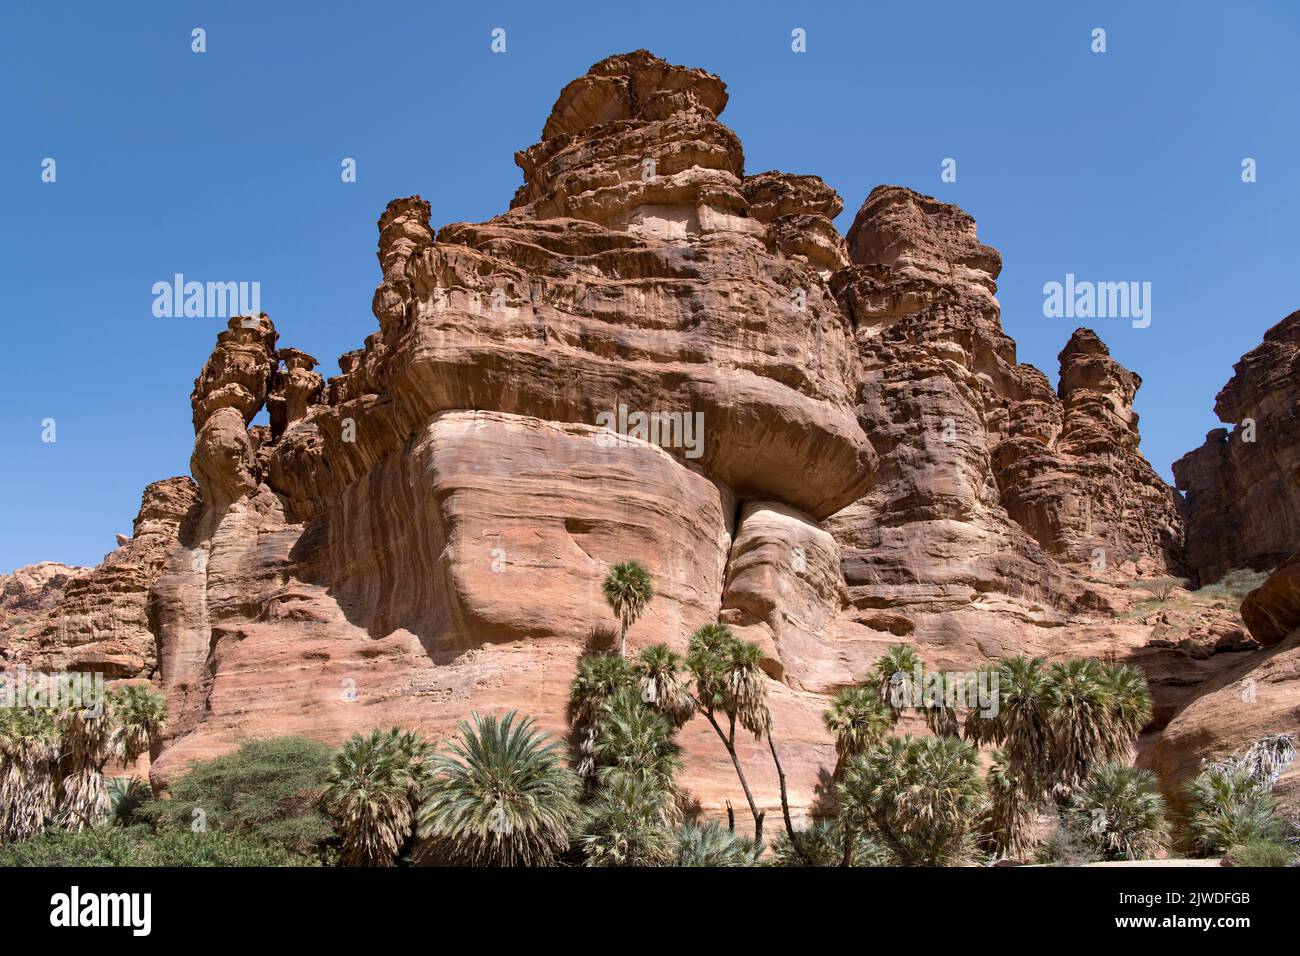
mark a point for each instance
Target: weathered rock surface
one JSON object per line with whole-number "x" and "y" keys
{"x": 99, "y": 621}
{"x": 35, "y": 587}
{"x": 1272, "y": 611}
{"x": 994, "y": 495}
{"x": 1242, "y": 486}
{"x": 1258, "y": 696}
{"x": 1242, "y": 496}
{"x": 845, "y": 453}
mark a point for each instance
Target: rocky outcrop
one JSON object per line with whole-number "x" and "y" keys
{"x": 35, "y": 587}
{"x": 826, "y": 443}
{"x": 1111, "y": 497}
{"x": 25, "y": 596}
{"x": 1256, "y": 697}
{"x": 994, "y": 496}
{"x": 1242, "y": 507}
{"x": 1242, "y": 487}
{"x": 99, "y": 621}
{"x": 1272, "y": 610}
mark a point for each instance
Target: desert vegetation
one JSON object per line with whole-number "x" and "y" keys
{"x": 53, "y": 759}
{"x": 924, "y": 775}
{"x": 1183, "y": 605}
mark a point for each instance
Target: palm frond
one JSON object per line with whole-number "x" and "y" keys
{"x": 500, "y": 795}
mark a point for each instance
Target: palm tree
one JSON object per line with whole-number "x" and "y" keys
{"x": 708, "y": 651}
{"x": 858, "y": 721}
{"x": 1121, "y": 812}
{"x": 87, "y": 737}
{"x": 729, "y": 684}
{"x": 1023, "y": 770}
{"x": 746, "y": 689}
{"x": 1226, "y": 808}
{"x": 921, "y": 798}
{"x": 628, "y": 589}
{"x": 711, "y": 844}
{"x": 372, "y": 793}
{"x": 903, "y": 682}
{"x": 636, "y": 741}
{"x": 1012, "y": 804}
{"x": 599, "y": 677}
{"x": 1130, "y": 710}
{"x": 501, "y": 796}
{"x": 822, "y": 844}
{"x": 1084, "y": 732}
{"x": 126, "y": 797}
{"x": 1053, "y": 725}
{"x": 29, "y": 750}
{"x": 1021, "y": 725}
{"x": 659, "y": 671}
{"x": 139, "y": 716}
{"x": 1264, "y": 760}
{"x": 894, "y": 675}
{"x": 624, "y": 825}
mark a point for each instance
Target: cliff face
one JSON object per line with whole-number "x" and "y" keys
{"x": 1242, "y": 510}
{"x": 1242, "y": 486}
{"x": 826, "y": 443}
{"x": 1002, "y": 513}
{"x": 56, "y": 618}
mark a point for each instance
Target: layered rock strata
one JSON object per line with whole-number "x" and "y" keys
{"x": 1242, "y": 487}
{"x": 826, "y": 443}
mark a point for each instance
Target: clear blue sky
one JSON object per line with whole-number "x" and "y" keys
{"x": 1115, "y": 166}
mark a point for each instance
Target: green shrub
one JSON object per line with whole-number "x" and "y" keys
{"x": 269, "y": 790}
{"x": 140, "y": 846}
{"x": 1225, "y": 809}
{"x": 1121, "y": 813}
{"x": 822, "y": 844}
{"x": 1067, "y": 845}
{"x": 126, "y": 797}
{"x": 1160, "y": 588}
{"x": 624, "y": 824}
{"x": 1234, "y": 585}
{"x": 1261, "y": 853}
{"x": 712, "y": 844}
{"x": 924, "y": 797}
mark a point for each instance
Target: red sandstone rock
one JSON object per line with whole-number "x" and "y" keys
{"x": 1241, "y": 511}
{"x": 100, "y": 621}
{"x": 424, "y": 535}
{"x": 1272, "y": 610}
{"x": 1243, "y": 486}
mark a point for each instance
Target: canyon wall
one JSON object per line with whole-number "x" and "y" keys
{"x": 837, "y": 450}
{"x": 1242, "y": 508}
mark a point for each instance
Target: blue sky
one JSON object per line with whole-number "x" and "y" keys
{"x": 225, "y": 165}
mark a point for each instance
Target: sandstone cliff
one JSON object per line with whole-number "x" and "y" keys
{"x": 1242, "y": 510}
{"x": 844, "y": 453}
{"x": 1242, "y": 486}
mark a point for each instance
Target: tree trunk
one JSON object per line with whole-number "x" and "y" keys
{"x": 622, "y": 648}
{"x": 785, "y": 802}
{"x": 740, "y": 774}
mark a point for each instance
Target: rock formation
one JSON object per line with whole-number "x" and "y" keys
{"x": 1242, "y": 486}
{"x": 1242, "y": 499}
{"x": 987, "y": 524}
{"x": 826, "y": 443}
{"x": 1272, "y": 611}
{"x": 97, "y": 619}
